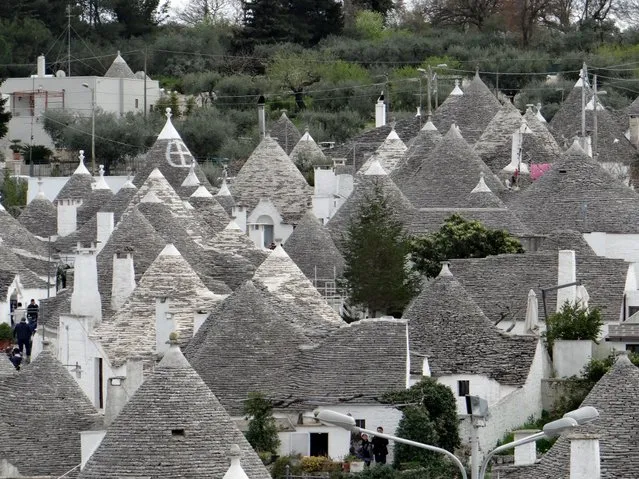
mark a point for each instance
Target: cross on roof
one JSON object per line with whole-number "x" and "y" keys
{"x": 178, "y": 156}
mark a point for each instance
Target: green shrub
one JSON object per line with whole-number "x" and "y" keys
{"x": 573, "y": 322}
{"x": 5, "y": 332}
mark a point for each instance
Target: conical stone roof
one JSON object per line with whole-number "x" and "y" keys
{"x": 389, "y": 154}
{"x": 79, "y": 184}
{"x": 246, "y": 346}
{"x": 306, "y": 152}
{"x": 482, "y": 197}
{"x": 58, "y": 412}
{"x": 209, "y": 210}
{"x": 6, "y": 367}
{"x": 285, "y": 133}
{"x": 577, "y": 193}
{"x": 420, "y": 147}
{"x": 471, "y": 111}
{"x": 18, "y": 238}
{"x": 131, "y": 331}
{"x": 270, "y": 174}
{"x": 450, "y": 169}
{"x": 446, "y": 325}
{"x": 40, "y": 217}
{"x": 540, "y": 129}
{"x": 312, "y": 249}
{"x": 119, "y": 69}
{"x": 288, "y": 284}
{"x": 173, "y": 426}
{"x": 494, "y": 145}
{"x": 224, "y": 197}
{"x": 233, "y": 240}
{"x": 566, "y": 239}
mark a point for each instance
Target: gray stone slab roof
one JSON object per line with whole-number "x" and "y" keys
{"x": 93, "y": 203}
{"x": 578, "y": 194}
{"x": 219, "y": 270}
{"x": 448, "y": 174}
{"x": 288, "y": 284}
{"x": 119, "y": 69}
{"x": 224, "y": 197}
{"x": 131, "y": 330}
{"x": 52, "y": 308}
{"x": 270, "y": 174}
{"x": 566, "y": 239}
{"x": 78, "y": 186}
{"x": 6, "y": 279}
{"x": 633, "y": 109}
{"x": 285, "y": 133}
{"x": 471, "y": 111}
{"x": 173, "y": 426}
{"x": 313, "y": 250}
{"x": 134, "y": 234}
{"x": 40, "y": 217}
{"x": 87, "y": 233}
{"x": 355, "y": 364}
{"x": 446, "y": 324}
{"x": 420, "y": 147}
{"x": 306, "y": 151}
{"x": 233, "y": 240}
{"x": 613, "y": 147}
{"x": 541, "y": 131}
{"x": 361, "y": 147}
{"x": 500, "y": 284}
{"x": 246, "y": 345}
{"x": 364, "y": 188}
{"x": 6, "y": 367}
{"x": 11, "y": 262}
{"x": 58, "y": 411}
{"x": 209, "y": 210}
{"x": 494, "y": 145}
{"x": 617, "y": 428}
{"x": 18, "y": 238}
{"x": 389, "y": 153}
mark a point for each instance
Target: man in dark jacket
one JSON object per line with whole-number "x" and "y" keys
{"x": 32, "y": 315}
{"x": 22, "y": 333}
{"x": 380, "y": 447}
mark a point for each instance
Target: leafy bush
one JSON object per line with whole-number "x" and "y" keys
{"x": 573, "y": 322}
{"x": 262, "y": 429}
{"x": 5, "y": 332}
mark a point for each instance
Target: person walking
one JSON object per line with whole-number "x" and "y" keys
{"x": 22, "y": 333}
{"x": 366, "y": 451}
{"x": 380, "y": 447}
{"x": 32, "y": 315}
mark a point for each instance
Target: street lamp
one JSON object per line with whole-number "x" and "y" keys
{"x": 348, "y": 422}
{"x": 86, "y": 85}
{"x": 569, "y": 421}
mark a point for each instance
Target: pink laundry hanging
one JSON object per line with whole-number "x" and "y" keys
{"x": 537, "y": 170}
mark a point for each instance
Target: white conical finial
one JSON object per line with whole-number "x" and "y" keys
{"x": 456, "y": 91}
{"x": 168, "y": 113}
{"x": 100, "y": 182}
{"x": 81, "y": 156}
{"x": 191, "y": 179}
{"x": 40, "y": 195}
{"x": 169, "y": 132}
{"x": 445, "y": 271}
{"x": 235, "y": 471}
{"x": 481, "y": 187}
{"x": 224, "y": 189}
{"x": 81, "y": 169}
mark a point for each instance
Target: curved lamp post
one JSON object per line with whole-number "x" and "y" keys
{"x": 569, "y": 421}
{"x": 348, "y": 422}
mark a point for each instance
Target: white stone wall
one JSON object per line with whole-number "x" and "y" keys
{"x": 265, "y": 208}
{"x": 570, "y": 356}
{"x": 612, "y": 245}
{"x": 330, "y": 192}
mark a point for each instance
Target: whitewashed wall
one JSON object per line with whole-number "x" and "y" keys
{"x": 611, "y": 245}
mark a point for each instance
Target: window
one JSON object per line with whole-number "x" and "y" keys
{"x": 463, "y": 388}
{"x": 319, "y": 444}
{"x": 632, "y": 310}
{"x": 136, "y": 103}
{"x": 360, "y": 423}
{"x": 177, "y": 432}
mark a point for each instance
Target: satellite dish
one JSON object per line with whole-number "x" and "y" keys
{"x": 60, "y": 74}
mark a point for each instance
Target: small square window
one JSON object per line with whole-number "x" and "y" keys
{"x": 463, "y": 388}
{"x": 136, "y": 103}
{"x": 360, "y": 423}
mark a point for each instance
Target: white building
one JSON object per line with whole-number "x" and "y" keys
{"x": 118, "y": 91}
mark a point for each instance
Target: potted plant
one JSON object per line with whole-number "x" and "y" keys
{"x": 6, "y": 336}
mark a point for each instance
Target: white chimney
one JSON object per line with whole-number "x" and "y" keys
{"x": 633, "y": 126}
{"x": 123, "y": 282}
{"x": 239, "y": 214}
{"x": 89, "y": 442}
{"x": 105, "y": 227}
{"x": 380, "y": 112}
{"x": 85, "y": 299}
{"x": 41, "y": 66}
{"x": 525, "y": 454}
{"x": 117, "y": 397}
{"x": 566, "y": 273}
{"x": 67, "y": 216}
{"x": 584, "y": 456}
{"x": 261, "y": 115}
{"x": 198, "y": 320}
{"x": 164, "y": 325}
{"x": 425, "y": 368}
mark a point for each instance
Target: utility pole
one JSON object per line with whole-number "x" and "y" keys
{"x": 69, "y": 39}
{"x": 436, "y": 92}
{"x": 595, "y": 102}
{"x": 583, "y": 103}
{"x": 430, "y": 75}
{"x": 145, "y": 106}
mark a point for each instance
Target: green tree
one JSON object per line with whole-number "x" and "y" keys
{"x": 429, "y": 416}
{"x": 376, "y": 250}
{"x": 459, "y": 238}
{"x": 573, "y": 322}
{"x": 262, "y": 429}
{"x": 5, "y": 116}
{"x": 139, "y": 17}
{"x": 14, "y": 193}
{"x": 295, "y": 72}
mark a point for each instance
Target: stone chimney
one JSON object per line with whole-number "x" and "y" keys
{"x": 261, "y": 115}
{"x": 41, "y": 66}
{"x": 526, "y": 453}
{"x": 380, "y": 112}
{"x": 584, "y": 456}
{"x": 425, "y": 368}
{"x": 117, "y": 397}
{"x": 164, "y": 325}
{"x": 566, "y": 273}
{"x": 89, "y": 442}
{"x": 123, "y": 282}
{"x": 105, "y": 227}
{"x": 85, "y": 299}
{"x": 67, "y": 216}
